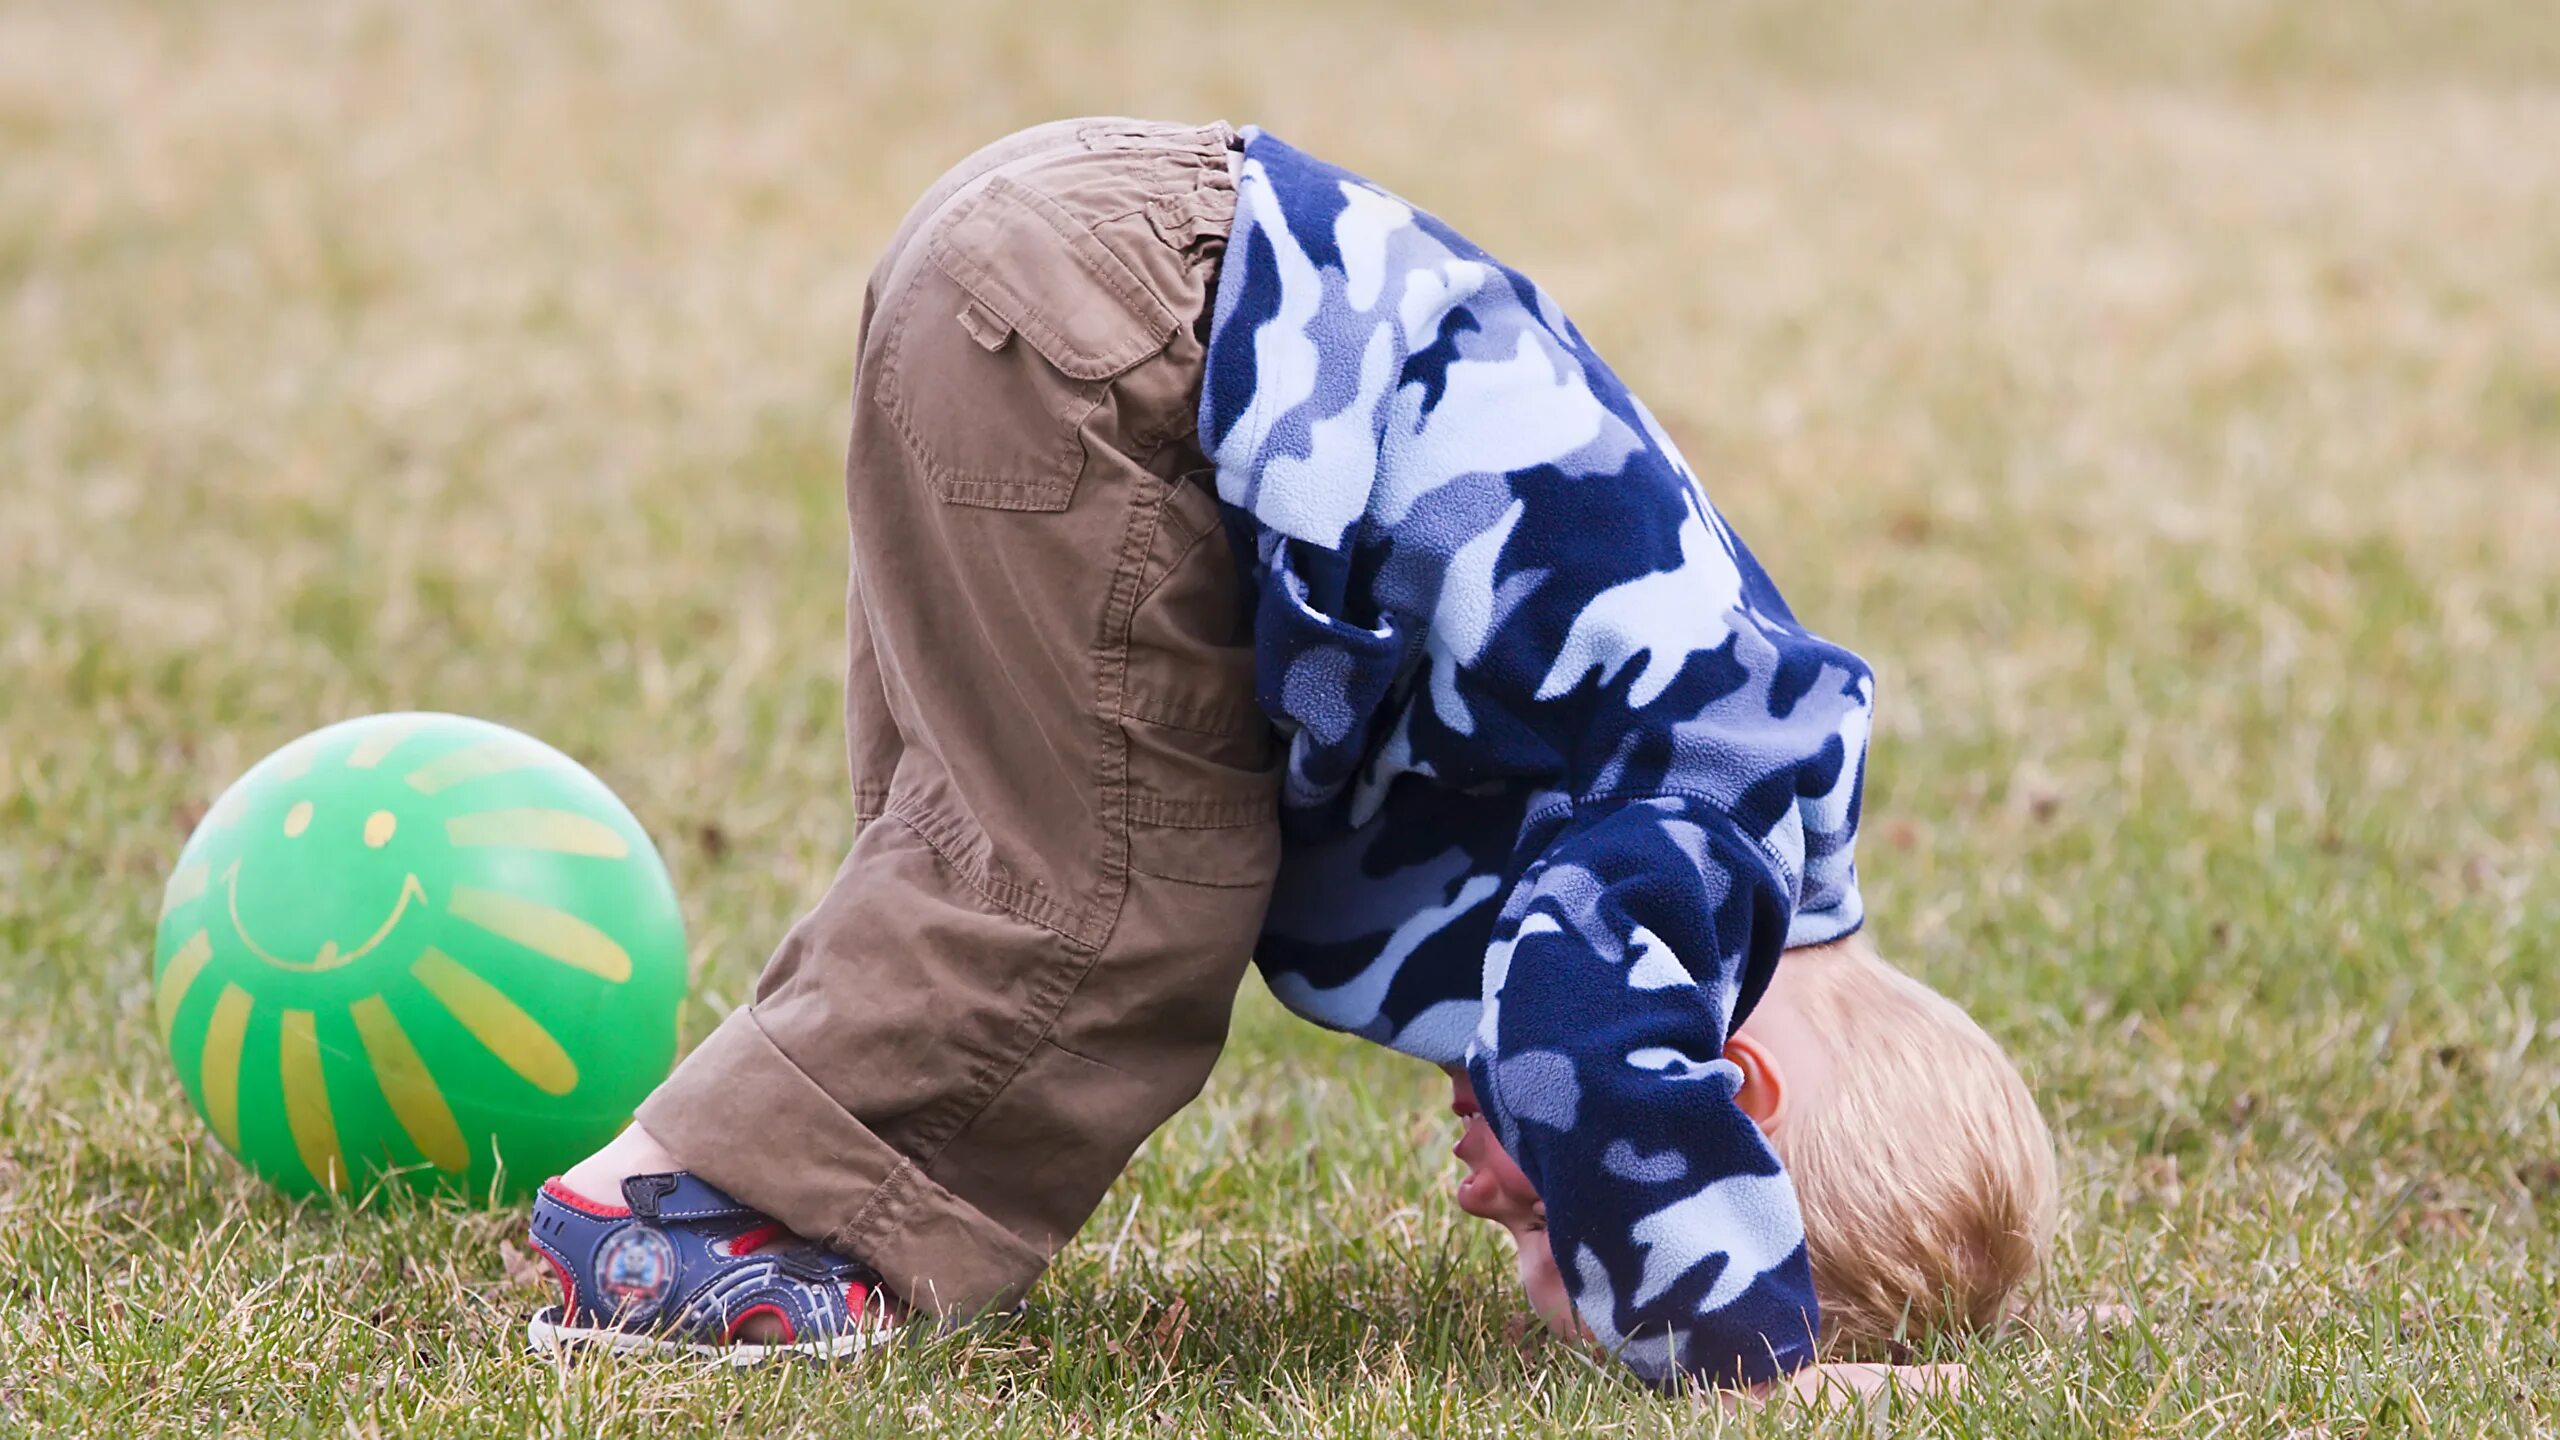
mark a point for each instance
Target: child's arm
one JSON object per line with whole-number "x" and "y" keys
{"x": 1481, "y": 564}
{"x": 1653, "y": 891}
{"x": 1609, "y": 995}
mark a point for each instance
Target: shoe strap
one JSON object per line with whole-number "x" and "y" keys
{"x": 680, "y": 1196}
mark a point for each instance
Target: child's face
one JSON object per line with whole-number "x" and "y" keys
{"x": 1495, "y": 1189}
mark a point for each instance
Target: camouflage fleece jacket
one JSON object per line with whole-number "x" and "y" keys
{"x": 1565, "y": 775}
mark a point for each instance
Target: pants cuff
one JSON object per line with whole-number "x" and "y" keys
{"x": 741, "y": 1115}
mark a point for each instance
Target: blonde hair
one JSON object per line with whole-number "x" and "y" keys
{"x": 1926, "y": 1176}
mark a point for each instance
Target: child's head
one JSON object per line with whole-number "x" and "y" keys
{"x": 1924, "y": 1172}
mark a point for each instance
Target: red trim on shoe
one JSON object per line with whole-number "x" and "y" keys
{"x": 740, "y": 1323}
{"x": 857, "y": 1298}
{"x": 568, "y": 1287}
{"x": 559, "y": 1190}
{"x": 748, "y": 1242}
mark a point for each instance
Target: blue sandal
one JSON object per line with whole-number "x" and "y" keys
{"x": 682, "y": 1267}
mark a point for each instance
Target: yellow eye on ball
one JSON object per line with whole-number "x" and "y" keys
{"x": 378, "y": 828}
{"x": 297, "y": 819}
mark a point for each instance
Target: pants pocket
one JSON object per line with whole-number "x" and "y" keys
{"x": 1203, "y": 809}
{"x": 1204, "y": 761}
{"x": 1191, "y": 642}
{"x": 1001, "y": 348}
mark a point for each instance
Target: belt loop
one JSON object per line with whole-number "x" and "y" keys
{"x": 1208, "y": 207}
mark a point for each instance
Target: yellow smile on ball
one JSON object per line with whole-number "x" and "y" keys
{"x": 330, "y": 956}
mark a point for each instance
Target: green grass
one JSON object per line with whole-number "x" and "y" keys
{"x": 2165, "y": 398}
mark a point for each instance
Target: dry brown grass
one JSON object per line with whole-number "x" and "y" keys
{"x": 2166, "y": 398}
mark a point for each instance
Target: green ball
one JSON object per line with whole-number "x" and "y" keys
{"x": 419, "y": 948}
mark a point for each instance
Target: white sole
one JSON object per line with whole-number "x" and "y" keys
{"x": 547, "y": 1336}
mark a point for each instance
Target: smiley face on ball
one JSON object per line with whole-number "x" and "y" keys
{"x": 386, "y": 922}
{"x": 379, "y": 828}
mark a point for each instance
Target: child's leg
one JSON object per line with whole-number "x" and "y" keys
{"x": 1027, "y": 961}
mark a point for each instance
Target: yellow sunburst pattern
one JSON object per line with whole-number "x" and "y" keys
{"x": 498, "y": 1023}
{"x": 408, "y": 1086}
{"x": 306, "y": 1101}
{"x": 224, "y": 1036}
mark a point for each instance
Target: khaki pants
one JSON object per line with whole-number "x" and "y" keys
{"x": 1027, "y": 961}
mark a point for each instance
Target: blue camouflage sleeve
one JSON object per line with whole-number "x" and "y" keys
{"x": 1656, "y": 887}
{"x": 1485, "y": 570}
{"x": 1610, "y": 989}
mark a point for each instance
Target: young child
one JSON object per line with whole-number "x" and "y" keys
{"x": 1245, "y": 565}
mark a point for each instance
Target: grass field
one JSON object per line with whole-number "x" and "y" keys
{"x": 2166, "y": 398}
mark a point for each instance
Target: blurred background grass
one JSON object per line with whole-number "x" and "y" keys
{"x": 2165, "y": 398}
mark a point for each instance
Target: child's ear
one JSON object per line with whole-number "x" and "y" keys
{"x": 1763, "y": 1095}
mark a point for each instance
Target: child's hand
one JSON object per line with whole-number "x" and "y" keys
{"x": 1545, "y": 1287}
{"x": 1842, "y": 1387}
